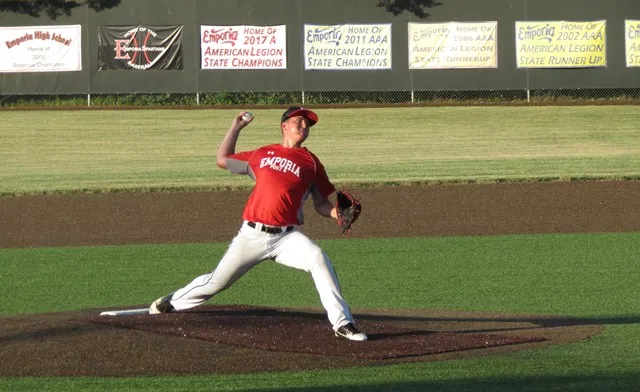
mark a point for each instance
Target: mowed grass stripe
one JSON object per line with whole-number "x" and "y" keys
{"x": 104, "y": 150}
{"x": 580, "y": 275}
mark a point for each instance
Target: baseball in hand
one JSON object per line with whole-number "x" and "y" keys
{"x": 247, "y": 116}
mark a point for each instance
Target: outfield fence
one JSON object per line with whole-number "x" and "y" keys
{"x": 333, "y": 98}
{"x": 335, "y": 52}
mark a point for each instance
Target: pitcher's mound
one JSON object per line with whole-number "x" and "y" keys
{"x": 307, "y": 332}
{"x": 245, "y": 339}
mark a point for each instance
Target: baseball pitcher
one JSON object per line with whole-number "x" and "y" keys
{"x": 285, "y": 175}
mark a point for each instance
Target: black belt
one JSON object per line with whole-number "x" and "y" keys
{"x": 271, "y": 230}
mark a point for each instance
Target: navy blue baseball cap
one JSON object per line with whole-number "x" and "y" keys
{"x": 294, "y": 111}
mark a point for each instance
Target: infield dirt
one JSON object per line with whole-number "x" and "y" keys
{"x": 239, "y": 339}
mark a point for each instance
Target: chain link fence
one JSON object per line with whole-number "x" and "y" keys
{"x": 334, "y": 98}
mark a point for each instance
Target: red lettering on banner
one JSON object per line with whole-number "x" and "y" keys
{"x": 216, "y": 62}
{"x": 255, "y": 63}
{"x": 121, "y": 45}
{"x": 59, "y": 38}
{"x": 253, "y": 30}
{"x": 42, "y": 35}
{"x": 256, "y": 52}
{"x": 18, "y": 41}
{"x": 220, "y": 36}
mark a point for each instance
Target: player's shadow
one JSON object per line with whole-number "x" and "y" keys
{"x": 416, "y": 7}
{"x": 519, "y": 322}
{"x": 390, "y": 335}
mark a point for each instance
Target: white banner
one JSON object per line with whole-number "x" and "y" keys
{"x": 347, "y": 47}
{"x": 243, "y": 47}
{"x": 561, "y": 44}
{"x": 632, "y": 42}
{"x": 40, "y": 49}
{"x": 453, "y": 45}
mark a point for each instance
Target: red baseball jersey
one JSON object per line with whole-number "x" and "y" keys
{"x": 285, "y": 177}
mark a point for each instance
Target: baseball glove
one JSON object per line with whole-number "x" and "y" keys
{"x": 348, "y": 209}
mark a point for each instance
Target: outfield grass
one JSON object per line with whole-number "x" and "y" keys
{"x": 587, "y": 276}
{"x": 67, "y": 151}
{"x": 594, "y": 277}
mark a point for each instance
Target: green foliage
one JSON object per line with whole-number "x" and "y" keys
{"x": 137, "y": 100}
{"x": 357, "y": 97}
{"x": 284, "y": 98}
{"x": 249, "y": 98}
{"x": 41, "y": 101}
{"x": 99, "y": 100}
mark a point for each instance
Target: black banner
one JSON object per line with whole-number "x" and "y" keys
{"x": 140, "y": 47}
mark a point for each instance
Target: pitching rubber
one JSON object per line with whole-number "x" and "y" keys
{"x": 125, "y": 312}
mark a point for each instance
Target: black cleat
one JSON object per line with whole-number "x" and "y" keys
{"x": 162, "y": 305}
{"x": 349, "y": 331}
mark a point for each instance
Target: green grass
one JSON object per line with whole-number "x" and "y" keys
{"x": 70, "y": 151}
{"x": 526, "y": 273}
{"x": 592, "y": 276}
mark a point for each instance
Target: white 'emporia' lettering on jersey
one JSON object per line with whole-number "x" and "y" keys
{"x": 280, "y": 164}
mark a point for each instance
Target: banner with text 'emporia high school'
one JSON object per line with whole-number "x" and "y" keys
{"x": 40, "y": 49}
{"x": 632, "y": 42}
{"x": 347, "y": 47}
{"x": 140, "y": 47}
{"x": 561, "y": 44}
{"x": 453, "y": 45}
{"x": 243, "y": 47}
